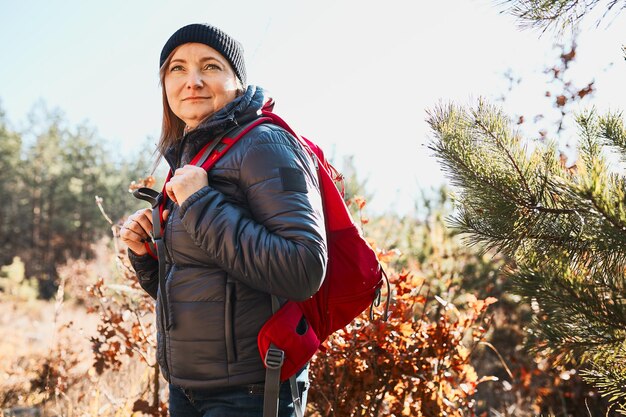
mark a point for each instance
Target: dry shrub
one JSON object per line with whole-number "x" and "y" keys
{"x": 36, "y": 375}
{"x": 414, "y": 364}
{"x": 127, "y": 332}
{"x": 88, "y": 354}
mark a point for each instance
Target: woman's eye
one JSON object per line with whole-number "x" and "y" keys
{"x": 176, "y": 68}
{"x": 211, "y": 67}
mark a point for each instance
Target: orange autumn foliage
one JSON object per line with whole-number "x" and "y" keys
{"x": 414, "y": 364}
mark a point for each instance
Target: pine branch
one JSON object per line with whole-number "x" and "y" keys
{"x": 613, "y": 133}
{"x": 581, "y": 214}
{"x": 499, "y": 207}
{"x": 565, "y": 230}
{"x": 582, "y": 314}
{"x": 615, "y": 222}
{"x": 499, "y": 143}
{"x": 601, "y": 229}
{"x": 610, "y": 379}
{"x": 561, "y": 14}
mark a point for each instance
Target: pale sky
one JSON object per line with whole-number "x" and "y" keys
{"x": 354, "y": 76}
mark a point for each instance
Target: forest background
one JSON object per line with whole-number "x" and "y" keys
{"x": 81, "y": 336}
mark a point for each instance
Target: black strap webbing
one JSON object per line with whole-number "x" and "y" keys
{"x": 273, "y": 364}
{"x": 274, "y": 359}
{"x": 154, "y": 198}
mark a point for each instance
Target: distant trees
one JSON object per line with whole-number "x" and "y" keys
{"x": 10, "y": 149}
{"x": 49, "y": 177}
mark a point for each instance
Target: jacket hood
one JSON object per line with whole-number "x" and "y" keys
{"x": 240, "y": 111}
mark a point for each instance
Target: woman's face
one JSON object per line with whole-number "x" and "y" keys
{"x": 198, "y": 82}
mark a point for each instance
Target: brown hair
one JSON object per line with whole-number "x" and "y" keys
{"x": 172, "y": 127}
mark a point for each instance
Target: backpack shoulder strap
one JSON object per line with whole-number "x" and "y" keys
{"x": 208, "y": 156}
{"x": 213, "y": 151}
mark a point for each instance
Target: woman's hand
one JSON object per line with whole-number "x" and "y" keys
{"x": 186, "y": 181}
{"x": 136, "y": 230}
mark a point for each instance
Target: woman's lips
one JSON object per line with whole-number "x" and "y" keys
{"x": 194, "y": 98}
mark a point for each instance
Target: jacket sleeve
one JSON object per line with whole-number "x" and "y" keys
{"x": 278, "y": 243}
{"x": 147, "y": 270}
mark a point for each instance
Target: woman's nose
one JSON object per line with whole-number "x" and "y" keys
{"x": 194, "y": 80}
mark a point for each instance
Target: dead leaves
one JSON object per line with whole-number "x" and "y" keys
{"x": 412, "y": 365}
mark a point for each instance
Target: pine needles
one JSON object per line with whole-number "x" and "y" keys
{"x": 564, "y": 227}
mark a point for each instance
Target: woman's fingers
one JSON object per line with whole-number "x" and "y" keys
{"x": 186, "y": 181}
{"x": 130, "y": 234}
{"x": 170, "y": 191}
{"x": 136, "y": 230}
{"x": 144, "y": 219}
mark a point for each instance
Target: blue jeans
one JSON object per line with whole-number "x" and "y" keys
{"x": 242, "y": 401}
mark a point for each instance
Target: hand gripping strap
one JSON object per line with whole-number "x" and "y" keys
{"x": 208, "y": 156}
{"x": 155, "y": 199}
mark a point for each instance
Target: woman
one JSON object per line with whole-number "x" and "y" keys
{"x": 251, "y": 228}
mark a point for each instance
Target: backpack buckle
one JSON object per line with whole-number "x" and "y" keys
{"x": 274, "y": 358}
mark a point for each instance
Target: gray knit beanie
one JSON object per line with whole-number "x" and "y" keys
{"x": 213, "y": 37}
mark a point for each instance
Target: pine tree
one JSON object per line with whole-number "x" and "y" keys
{"x": 50, "y": 176}
{"x": 10, "y": 173}
{"x": 563, "y": 227}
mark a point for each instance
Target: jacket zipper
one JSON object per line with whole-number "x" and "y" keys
{"x": 164, "y": 341}
{"x": 231, "y": 354}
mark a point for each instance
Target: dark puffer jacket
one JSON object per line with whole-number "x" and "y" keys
{"x": 257, "y": 229}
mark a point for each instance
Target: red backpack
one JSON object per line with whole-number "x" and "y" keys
{"x": 352, "y": 283}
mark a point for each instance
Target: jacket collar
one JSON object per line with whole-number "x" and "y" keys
{"x": 240, "y": 111}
